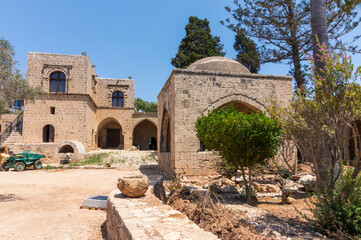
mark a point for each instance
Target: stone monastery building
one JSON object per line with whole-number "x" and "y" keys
{"x": 82, "y": 112}
{"x": 85, "y": 111}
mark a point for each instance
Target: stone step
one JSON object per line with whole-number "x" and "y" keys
{"x": 15, "y": 137}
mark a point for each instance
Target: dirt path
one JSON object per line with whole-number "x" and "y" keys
{"x": 45, "y": 204}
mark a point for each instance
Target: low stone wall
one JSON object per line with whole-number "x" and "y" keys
{"x": 148, "y": 218}
{"x": 47, "y": 149}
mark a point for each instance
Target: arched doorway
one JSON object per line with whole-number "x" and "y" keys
{"x": 48, "y": 133}
{"x": 165, "y": 135}
{"x": 110, "y": 134}
{"x": 144, "y": 136}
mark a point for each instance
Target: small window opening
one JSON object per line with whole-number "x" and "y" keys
{"x": 52, "y": 110}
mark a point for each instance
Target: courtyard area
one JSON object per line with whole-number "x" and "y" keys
{"x": 45, "y": 204}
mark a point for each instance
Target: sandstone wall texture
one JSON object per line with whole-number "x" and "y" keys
{"x": 166, "y": 154}
{"x": 107, "y": 86}
{"x": 5, "y": 120}
{"x": 193, "y": 93}
{"x": 148, "y": 218}
{"x": 47, "y": 149}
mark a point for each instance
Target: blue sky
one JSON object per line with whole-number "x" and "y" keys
{"x": 122, "y": 37}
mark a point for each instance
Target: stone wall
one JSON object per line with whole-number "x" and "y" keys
{"x": 47, "y": 149}
{"x": 148, "y": 218}
{"x": 77, "y": 68}
{"x": 106, "y": 87}
{"x": 5, "y": 119}
{"x": 196, "y": 93}
{"x": 166, "y": 126}
{"x": 73, "y": 119}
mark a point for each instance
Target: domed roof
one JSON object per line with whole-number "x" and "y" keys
{"x": 218, "y": 64}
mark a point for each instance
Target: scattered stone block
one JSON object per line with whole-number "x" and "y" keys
{"x": 272, "y": 188}
{"x": 290, "y": 200}
{"x": 133, "y": 185}
{"x": 308, "y": 181}
{"x": 229, "y": 189}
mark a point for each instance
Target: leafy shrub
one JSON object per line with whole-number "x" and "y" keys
{"x": 338, "y": 213}
{"x": 283, "y": 171}
{"x": 226, "y": 169}
{"x": 243, "y": 140}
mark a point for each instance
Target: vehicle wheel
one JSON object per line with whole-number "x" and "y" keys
{"x": 38, "y": 164}
{"x": 19, "y": 166}
{"x": 4, "y": 166}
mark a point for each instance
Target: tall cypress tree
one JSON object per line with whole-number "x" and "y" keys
{"x": 247, "y": 53}
{"x": 198, "y": 43}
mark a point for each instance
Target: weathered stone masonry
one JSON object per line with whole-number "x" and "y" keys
{"x": 208, "y": 84}
{"x": 83, "y": 109}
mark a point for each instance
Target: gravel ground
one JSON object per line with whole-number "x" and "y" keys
{"x": 45, "y": 204}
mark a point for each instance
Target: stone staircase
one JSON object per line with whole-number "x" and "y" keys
{"x": 14, "y": 137}
{"x": 13, "y": 133}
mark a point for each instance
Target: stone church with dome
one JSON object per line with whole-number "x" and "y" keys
{"x": 81, "y": 111}
{"x": 205, "y": 85}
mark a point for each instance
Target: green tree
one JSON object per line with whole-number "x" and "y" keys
{"x": 242, "y": 140}
{"x": 247, "y": 53}
{"x": 12, "y": 83}
{"x": 198, "y": 43}
{"x": 322, "y": 117}
{"x": 145, "y": 106}
{"x": 284, "y": 27}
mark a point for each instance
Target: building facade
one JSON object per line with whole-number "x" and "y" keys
{"x": 80, "y": 107}
{"x": 205, "y": 85}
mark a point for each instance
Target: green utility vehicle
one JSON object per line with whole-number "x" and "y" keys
{"x": 22, "y": 160}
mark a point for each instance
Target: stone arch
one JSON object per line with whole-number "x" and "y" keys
{"x": 75, "y": 146}
{"x": 165, "y": 133}
{"x": 241, "y": 102}
{"x": 110, "y": 134}
{"x": 48, "y": 133}
{"x": 246, "y": 101}
{"x": 66, "y": 149}
{"x": 145, "y": 135}
{"x": 48, "y": 74}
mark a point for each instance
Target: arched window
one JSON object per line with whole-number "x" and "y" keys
{"x": 48, "y": 133}
{"x": 57, "y": 82}
{"x": 117, "y": 99}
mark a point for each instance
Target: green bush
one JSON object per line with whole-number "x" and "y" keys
{"x": 226, "y": 169}
{"x": 283, "y": 171}
{"x": 242, "y": 140}
{"x": 338, "y": 213}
